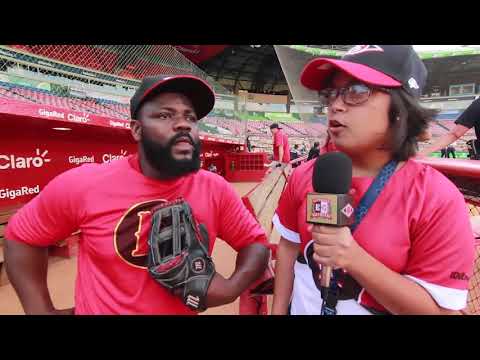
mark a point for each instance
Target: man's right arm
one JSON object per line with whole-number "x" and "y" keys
{"x": 26, "y": 267}
{"x": 466, "y": 121}
{"x": 238, "y": 228}
{"x": 51, "y": 216}
{"x": 457, "y": 132}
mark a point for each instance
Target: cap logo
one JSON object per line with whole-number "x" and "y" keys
{"x": 325, "y": 67}
{"x": 359, "y": 49}
{"x": 413, "y": 84}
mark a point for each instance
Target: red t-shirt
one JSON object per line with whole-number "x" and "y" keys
{"x": 281, "y": 139}
{"x": 418, "y": 227}
{"x": 110, "y": 204}
{"x": 329, "y": 146}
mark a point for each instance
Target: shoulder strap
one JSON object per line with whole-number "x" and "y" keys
{"x": 330, "y": 302}
{"x": 372, "y": 193}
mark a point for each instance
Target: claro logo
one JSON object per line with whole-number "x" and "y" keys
{"x": 19, "y": 162}
{"x": 78, "y": 119}
{"x": 111, "y": 157}
{"x": 60, "y": 115}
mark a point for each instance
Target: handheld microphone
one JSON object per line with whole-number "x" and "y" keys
{"x": 330, "y": 204}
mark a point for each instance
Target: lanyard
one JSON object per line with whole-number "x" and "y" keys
{"x": 331, "y": 298}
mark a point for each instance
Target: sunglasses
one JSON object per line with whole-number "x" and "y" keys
{"x": 354, "y": 94}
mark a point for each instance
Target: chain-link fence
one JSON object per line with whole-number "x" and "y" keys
{"x": 100, "y": 79}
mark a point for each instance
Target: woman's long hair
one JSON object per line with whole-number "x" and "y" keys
{"x": 408, "y": 120}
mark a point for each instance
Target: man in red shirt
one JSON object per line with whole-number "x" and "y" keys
{"x": 281, "y": 149}
{"x": 111, "y": 205}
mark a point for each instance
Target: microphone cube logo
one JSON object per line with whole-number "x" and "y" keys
{"x": 322, "y": 208}
{"x": 347, "y": 210}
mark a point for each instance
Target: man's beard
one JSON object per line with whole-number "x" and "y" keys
{"x": 160, "y": 157}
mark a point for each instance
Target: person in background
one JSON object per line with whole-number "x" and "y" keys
{"x": 451, "y": 151}
{"x": 443, "y": 152}
{"x": 212, "y": 168}
{"x": 473, "y": 148}
{"x": 303, "y": 150}
{"x": 295, "y": 154}
{"x": 249, "y": 144}
{"x": 281, "y": 148}
{"x": 314, "y": 151}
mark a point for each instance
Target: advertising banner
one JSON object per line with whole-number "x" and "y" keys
{"x": 9, "y": 106}
{"x": 28, "y": 163}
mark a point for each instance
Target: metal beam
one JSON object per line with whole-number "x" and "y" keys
{"x": 224, "y": 60}
{"x": 245, "y": 62}
{"x": 259, "y": 80}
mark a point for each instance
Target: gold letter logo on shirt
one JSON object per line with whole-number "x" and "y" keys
{"x": 131, "y": 233}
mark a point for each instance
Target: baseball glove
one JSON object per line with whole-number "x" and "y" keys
{"x": 178, "y": 254}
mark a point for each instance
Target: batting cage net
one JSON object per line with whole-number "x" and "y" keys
{"x": 474, "y": 284}
{"x": 474, "y": 289}
{"x": 101, "y": 79}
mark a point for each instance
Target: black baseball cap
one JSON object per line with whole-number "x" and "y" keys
{"x": 391, "y": 66}
{"x": 275, "y": 126}
{"x": 196, "y": 89}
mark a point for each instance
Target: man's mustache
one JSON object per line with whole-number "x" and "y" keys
{"x": 182, "y": 135}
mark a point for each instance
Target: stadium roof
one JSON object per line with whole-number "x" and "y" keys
{"x": 256, "y": 68}
{"x": 247, "y": 67}
{"x": 424, "y": 51}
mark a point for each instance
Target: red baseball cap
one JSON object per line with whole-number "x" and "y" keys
{"x": 196, "y": 89}
{"x": 390, "y": 66}
{"x": 318, "y": 70}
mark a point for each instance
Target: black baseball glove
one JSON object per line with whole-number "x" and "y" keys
{"x": 178, "y": 254}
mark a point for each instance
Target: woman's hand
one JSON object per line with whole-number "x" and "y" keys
{"x": 334, "y": 246}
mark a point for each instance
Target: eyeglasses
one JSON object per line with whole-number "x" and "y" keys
{"x": 354, "y": 94}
